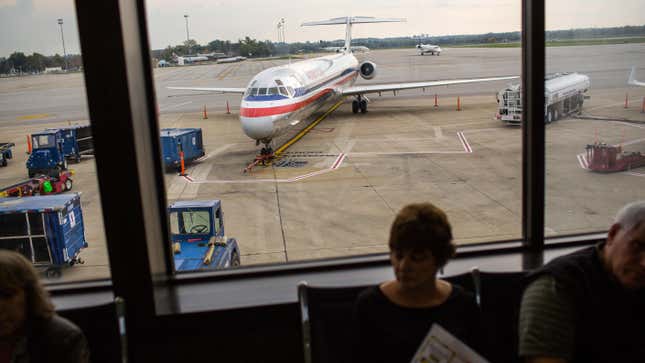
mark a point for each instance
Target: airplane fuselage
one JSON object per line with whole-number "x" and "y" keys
{"x": 279, "y": 98}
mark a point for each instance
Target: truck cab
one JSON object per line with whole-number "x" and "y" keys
{"x": 47, "y": 156}
{"x": 198, "y": 238}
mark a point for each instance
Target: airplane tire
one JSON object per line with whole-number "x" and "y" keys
{"x": 363, "y": 105}
{"x": 4, "y": 162}
{"x": 355, "y": 106}
{"x": 235, "y": 259}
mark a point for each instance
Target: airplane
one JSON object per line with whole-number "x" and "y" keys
{"x": 187, "y": 59}
{"x": 355, "y": 48}
{"x": 632, "y": 79}
{"x": 231, "y": 59}
{"x": 429, "y": 48}
{"x": 279, "y": 98}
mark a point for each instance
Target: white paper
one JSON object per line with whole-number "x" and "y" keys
{"x": 439, "y": 346}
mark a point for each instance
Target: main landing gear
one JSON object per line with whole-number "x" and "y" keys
{"x": 359, "y": 104}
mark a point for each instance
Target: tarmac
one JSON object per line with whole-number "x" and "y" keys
{"x": 335, "y": 192}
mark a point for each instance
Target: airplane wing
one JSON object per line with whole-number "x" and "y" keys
{"x": 212, "y": 89}
{"x": 374, "y": 88}
{"x": 632, "y": 79}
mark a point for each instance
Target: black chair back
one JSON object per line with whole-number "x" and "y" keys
{"x": 104, "y": 329}
{"x": 326, "y": 321}
{"x": 500, "y": 294}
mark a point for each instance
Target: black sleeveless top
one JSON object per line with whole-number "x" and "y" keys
{"x": 609, "y": 319}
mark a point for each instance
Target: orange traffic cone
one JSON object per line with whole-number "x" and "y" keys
{"x": 28, "y": 144}
{"x": 458, "y": 103}
{"x": 626, "y": 100}
{"x": 228, "y": 109}
{"x": 436, "y": 100}
{"x": 205, "y": 115}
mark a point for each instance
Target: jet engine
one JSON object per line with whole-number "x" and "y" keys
{"x": 367, "y": 69}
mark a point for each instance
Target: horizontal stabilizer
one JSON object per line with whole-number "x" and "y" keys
{"x": 353, "y": 20}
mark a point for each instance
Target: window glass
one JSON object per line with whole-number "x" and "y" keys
{"x": 336, "y": 191}
{"x": 42, "y": 87}
{"x": 595, "y": 149}
{"x": 195, "y": 222}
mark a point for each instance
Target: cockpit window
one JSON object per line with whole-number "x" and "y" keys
{"x": 291, "y": 91}
{"x": 283, "y": 91}
{"x": 262, "y": 91}
{"x": 273, "y": 91}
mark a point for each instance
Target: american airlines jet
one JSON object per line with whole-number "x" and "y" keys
{"x": 632, "y": 79}
{"x": 429, "y": 48}
{"x": 279, "y": 99}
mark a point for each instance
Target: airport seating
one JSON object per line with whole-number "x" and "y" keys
{"x": 326, "y": 315}
{"x": 499, "y": 295}
{"x": 104, "y": 329}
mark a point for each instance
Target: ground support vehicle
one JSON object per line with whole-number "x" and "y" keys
{"x": 605, "y": 158}
{"x": 177, "y": 142}
{"x": 198, "y": 238}
{"x": 48, "y": 230}
{"x": 77, "y": 141}
{"x": 40, "y": 185}
{"x": 5, "y": 152}
{"x": 52, "y": 147}
{"x": 564, "y": 93}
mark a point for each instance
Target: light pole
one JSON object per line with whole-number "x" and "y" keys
{"x": 62, "y": 37}
{"x": 282, "y": 28}
{"x": 187, "y": 36}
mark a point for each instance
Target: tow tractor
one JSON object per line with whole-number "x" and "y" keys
{"x": 198, "y": 238}
{"x": 605, "y": 158}
{"x": 40, "y": 185}
{"x": 5, "y": 152}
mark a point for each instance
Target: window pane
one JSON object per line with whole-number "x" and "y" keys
{"x": 43, "y": 108}
{"x": 336, "y": 191}
{"x": 595, "y": 138}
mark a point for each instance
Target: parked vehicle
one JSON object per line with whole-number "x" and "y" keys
{"x": 5, "y": 152}
{"x": 564, "y": 93}
{"x": 603, "y": 158}
{"x": 40, "y": 185}
{"x": 174, "y": 142}
{"x": 198, "y": 238}
{"x": 48, "y": 230}
{"x": 52, "y": 147}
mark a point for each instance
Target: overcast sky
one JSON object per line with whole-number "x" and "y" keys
{"x": 31, "y": 25}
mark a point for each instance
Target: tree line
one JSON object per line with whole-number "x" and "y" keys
{"x": 19, "y": 62}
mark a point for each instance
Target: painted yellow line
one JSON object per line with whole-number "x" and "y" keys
{"x": 302, "y": 133}
{"x": 225, "y": 73}
{"x": 33, "y": 117}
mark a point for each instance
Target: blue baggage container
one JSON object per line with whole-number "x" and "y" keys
{"x": 77, "y": 140}
{"x": 175, "y": 140}
{"x": 48, "y": 230}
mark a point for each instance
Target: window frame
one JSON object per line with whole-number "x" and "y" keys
{"x": 122, "y": 106}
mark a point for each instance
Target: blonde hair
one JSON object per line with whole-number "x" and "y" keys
{"x": 16, "y": 272}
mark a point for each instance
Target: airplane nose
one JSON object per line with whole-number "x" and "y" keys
{"x": 257, "y": 128}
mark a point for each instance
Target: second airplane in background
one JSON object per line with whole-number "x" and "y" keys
{"x": 279, "y": 99}
{"x": 429, "y": 48}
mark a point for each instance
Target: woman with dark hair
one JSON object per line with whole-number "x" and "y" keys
{"x": 393, "y": 318}
{"x": 30, "y": 330}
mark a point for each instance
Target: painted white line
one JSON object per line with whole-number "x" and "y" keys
{"x": 174, "y": 106}
{"x": 582, "y": 161}
{"x": 335, "y": 165}
{"x": 628, "y": 124}
{"x": 393, "y": 153}
{"x": 437, "y": 132}
{"x": 464, "y": 142}
{"x": 635, "y": 174}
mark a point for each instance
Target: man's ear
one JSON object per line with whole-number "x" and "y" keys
{"x": 613, "y": 231}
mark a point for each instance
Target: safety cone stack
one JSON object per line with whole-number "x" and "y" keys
{"x": 205, "y": 115}
{"x": 228, "y": 108}
{"x": 436, "y": 100}
{"x": 28, "y": 144}
{"x": 458, "y": 103}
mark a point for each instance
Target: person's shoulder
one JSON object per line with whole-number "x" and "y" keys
{"x": 461, "y": 295}
{"x": 58, "y": 327}
{"x": 370, "y": 294}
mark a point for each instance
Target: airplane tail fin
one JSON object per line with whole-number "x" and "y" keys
{"x": 348, "y": 21}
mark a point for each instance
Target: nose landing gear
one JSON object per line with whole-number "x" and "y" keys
{"x": 264, "y": 158}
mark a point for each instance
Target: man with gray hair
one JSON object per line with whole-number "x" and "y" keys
{"x": 589, "y": 306}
